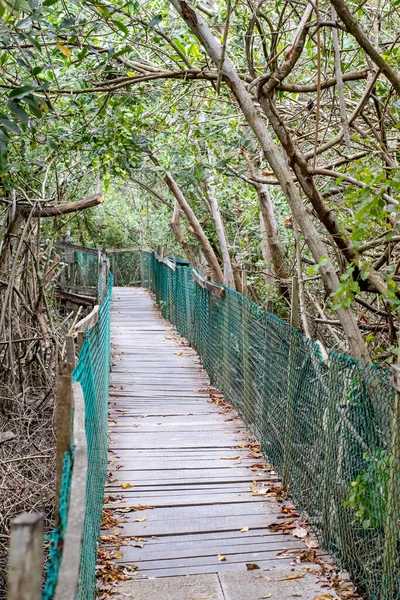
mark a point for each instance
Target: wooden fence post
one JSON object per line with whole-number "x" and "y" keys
{"x": 70, "y": 349}
{"x": 104, "y": 277}
{"x": 291, "y": 383}
{"x": 294, "y": 311}
{"x": 63, "y": 421}
{"x": 113, "y": 268}
{"x": 98, "y": 299}
{"x": 25, "y": 559}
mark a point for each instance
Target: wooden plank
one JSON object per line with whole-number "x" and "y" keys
{"x": 63, "y": 421}
{"x": 24, "y": 578}
{"x": 75, "y": 247}
{"x": 68, "y": 577}
{"x": 221, "y": 567}
{"x": 237, "y": 551}
{"x": 208, "y": 540}
{"x": 117, "y": 250}
{"x": 191, "y": 498}
{"x": 76, "y": 298}
{"x": 178, "y": 526}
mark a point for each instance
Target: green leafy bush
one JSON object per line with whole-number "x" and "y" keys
{"x": 369, "y": 491}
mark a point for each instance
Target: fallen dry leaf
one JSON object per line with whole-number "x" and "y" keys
{"x": 267, "y": 596}
{"x": 141, "y": 520}
{"x": 244, "y": 530}
{"x": 307, "y": 556}
{"x": 119, "y": 555}
{"x": 310, "y": 543}
{"x": 299, "y": 532}
{"x": 294, "y": 576}
{"x": 221, "y": 557}
{"x": 126, "y": 485}
{"x": 179, "y": 353}
{"x": 323, "y": 597}
{"x": 230, "y": 458}
{"x": 252, "y": 566}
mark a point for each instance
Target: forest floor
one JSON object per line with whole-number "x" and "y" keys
{"x": 27, "y": 464}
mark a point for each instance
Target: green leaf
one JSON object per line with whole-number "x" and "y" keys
{"x": 120, "y": 26}
{"x": 3, "y": 155}
{"x": 21, "y": 92}
{"x": 16, "y": 6}
{"x": 155, "y": 21}
{"x": 18, "y": 111}
{"x": 10, "y": 125}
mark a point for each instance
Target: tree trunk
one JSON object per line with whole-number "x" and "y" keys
{"x": 274, "y": 243}
{"x": 330, "y": 279}
{"x": 221, "y": 233}
{"x": 195, "y": 224}
{"x": 265, "y": 252}
{"x": 176, "y": 230}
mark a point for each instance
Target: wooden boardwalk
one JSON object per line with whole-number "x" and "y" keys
{"x": 179, "y": 451}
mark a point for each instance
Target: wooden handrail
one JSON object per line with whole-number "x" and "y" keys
{"x": 75, "y": 247}
{"x": 166, "y": 261}
{"x": 115, "y": 250}
{"x": 88, "y": 321}
{"x": 68, "y": 577}
{"x": 213, "y": 288}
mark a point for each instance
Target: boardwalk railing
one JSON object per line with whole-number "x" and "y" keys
{"x": 73, "y": 551}
{"x": 81, "y": 467}
{"x": 329, "y": 427}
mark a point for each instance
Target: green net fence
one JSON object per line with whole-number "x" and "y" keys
{"x": 329, "y": 426}
{"x": 92, "y": 371}
{"x": 86, "y": 268}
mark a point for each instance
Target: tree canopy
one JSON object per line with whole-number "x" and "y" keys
{"x": 258, "y": 138}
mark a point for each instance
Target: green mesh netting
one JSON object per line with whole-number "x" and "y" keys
{"x": 56, "y": 537}
{"x": 329, "y": 427}
{"x": 125, "y": 267}
{"x": 86, "y": 269}
{"x": 92, "y": 371}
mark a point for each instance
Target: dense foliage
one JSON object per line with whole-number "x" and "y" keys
{"x": 133, "y": 94}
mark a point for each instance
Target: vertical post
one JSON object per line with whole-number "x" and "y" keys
{"x": 104, "y": 276}
{"x": 294, "y": 310}
{"x": 70, "y": 350}
{"x": 79, "y": 340}
{"x": 113, "y": 268}
{"x": 248, "y": 399}
{"x": 98, "y": 274}
{"x": 329, "y": 424}
{"x": 291, "y": 383}
{"x": 25, "y": 559}
{"x": 63, "y": 421}
{"x": 390, "y": 552}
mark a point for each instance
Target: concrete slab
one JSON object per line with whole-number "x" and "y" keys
{"x": 259, "y": 584}
{"x": 188, "y": 587}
